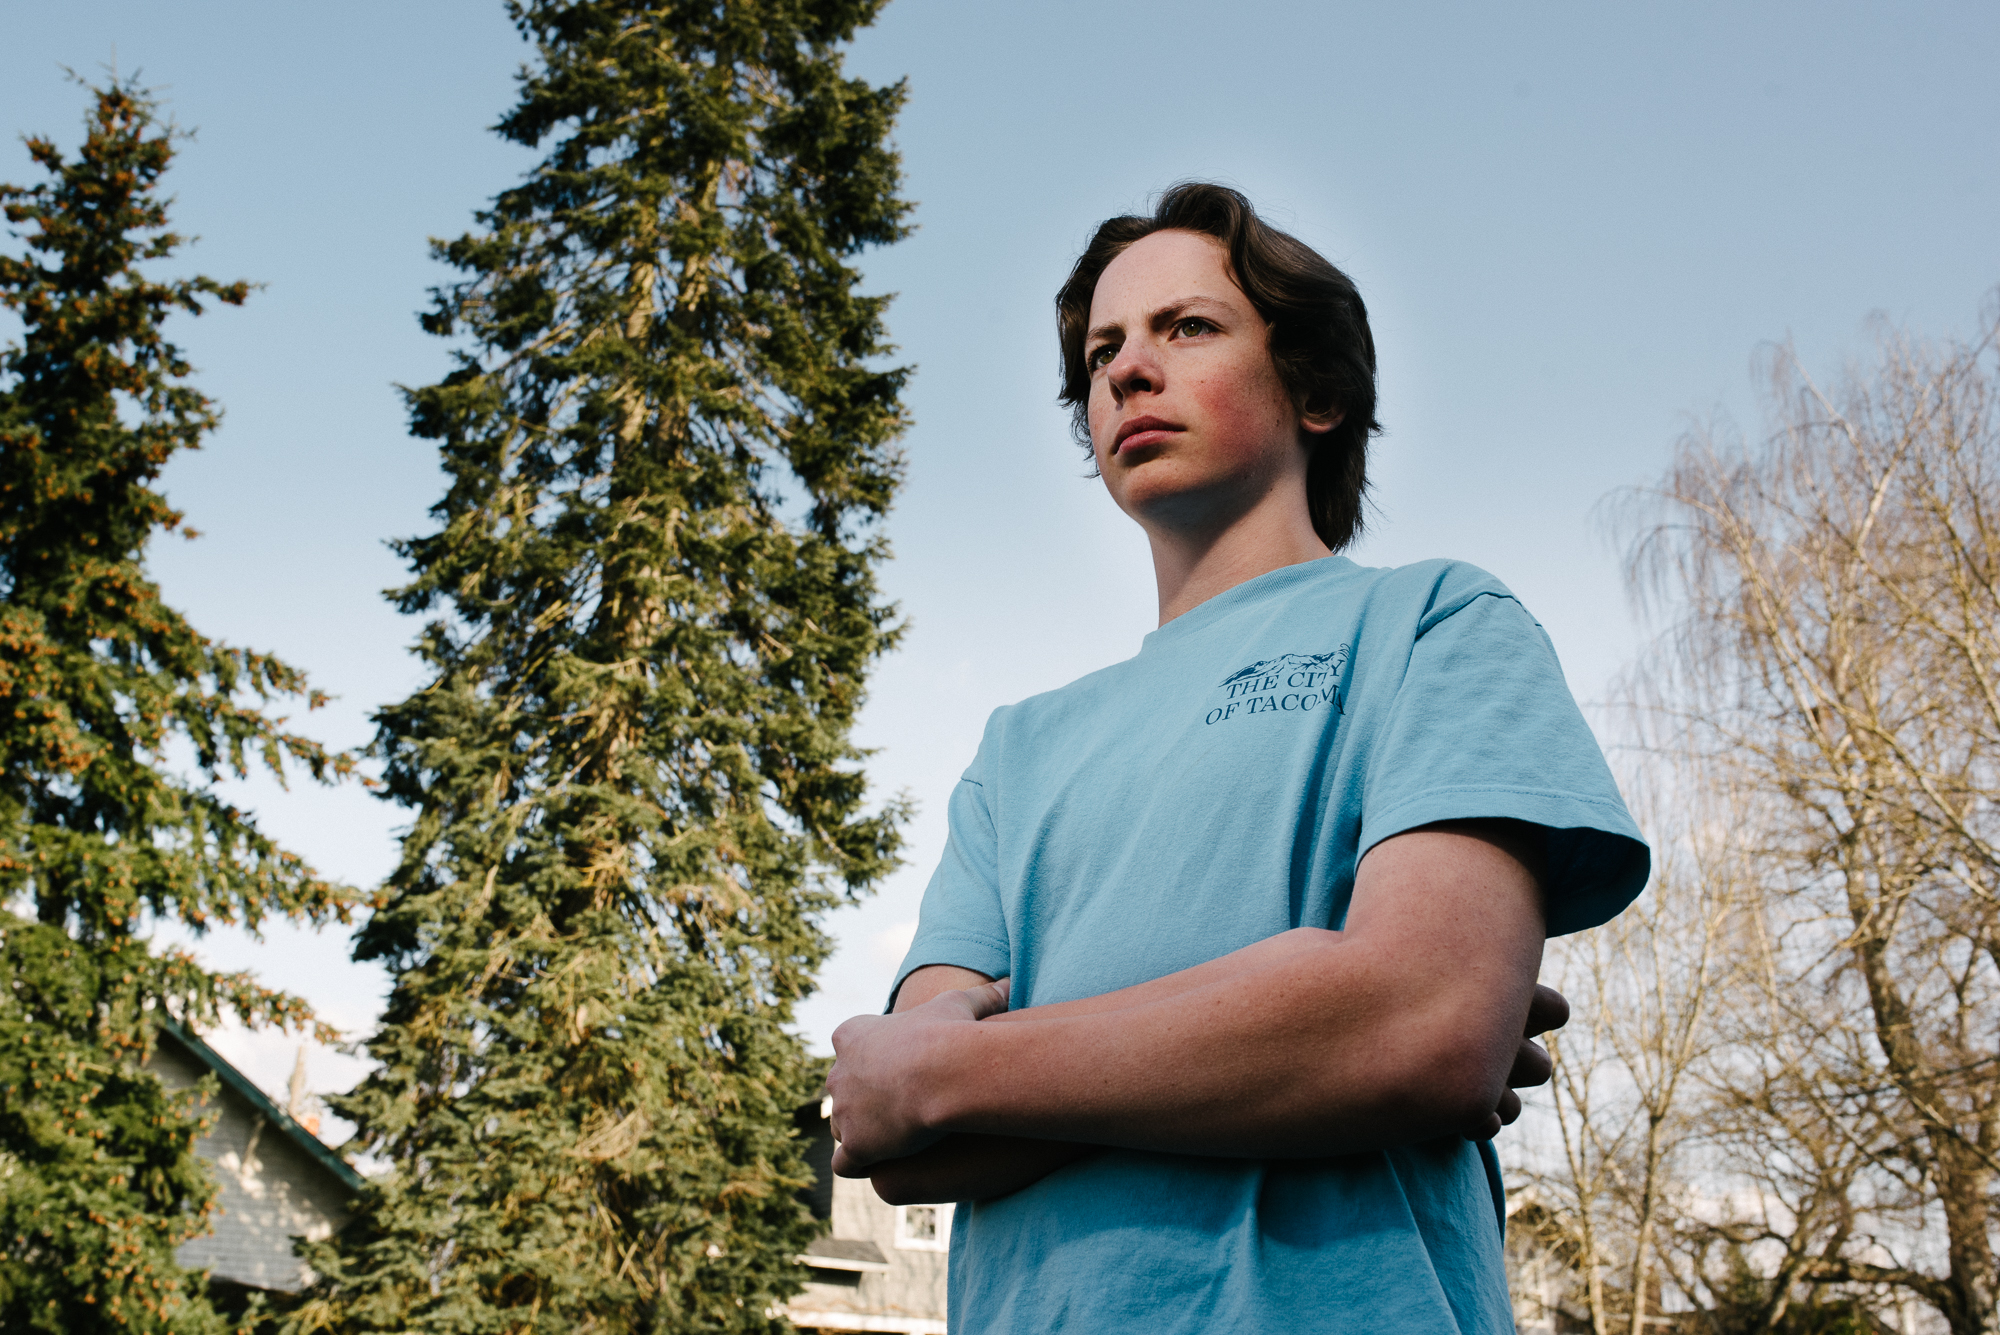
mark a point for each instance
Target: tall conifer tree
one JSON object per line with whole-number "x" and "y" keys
{"x": 98, "y": 678}
{"x": 668, "y": 442}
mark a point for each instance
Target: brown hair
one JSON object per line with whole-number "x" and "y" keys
{"x": 1319, "y": 339}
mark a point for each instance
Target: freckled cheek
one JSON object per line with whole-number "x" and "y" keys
{"x": 1238, "y": 418}
{"x": 1099, "y": 414}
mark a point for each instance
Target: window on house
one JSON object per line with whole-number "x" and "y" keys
{"x": 923, "y": 1228}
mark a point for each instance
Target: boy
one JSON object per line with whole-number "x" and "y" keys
{"x": 1266, "y": 902}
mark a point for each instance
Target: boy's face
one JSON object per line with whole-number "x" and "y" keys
{"x": 1189, "y": 421}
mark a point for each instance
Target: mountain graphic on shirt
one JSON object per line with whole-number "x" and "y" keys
{"x": 1291, "y": 663}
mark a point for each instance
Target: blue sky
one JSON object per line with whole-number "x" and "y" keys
{"x": 1575, "y": 226}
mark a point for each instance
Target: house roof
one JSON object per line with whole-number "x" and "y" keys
{"x": 240, "y": 1084}
{"x": 844, "y": 1254}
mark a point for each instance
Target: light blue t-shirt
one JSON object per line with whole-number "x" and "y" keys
{"x": 1217, "y": 789}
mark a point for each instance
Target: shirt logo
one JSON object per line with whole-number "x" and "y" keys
{"x": 1291, "y": 684}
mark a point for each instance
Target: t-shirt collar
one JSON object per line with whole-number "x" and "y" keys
{"x": 1242, "y": 595}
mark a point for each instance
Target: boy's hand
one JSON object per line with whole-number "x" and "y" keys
{"x": 967, "y": 1167}
{"x": 877, "y": 1080}
{"x": 1548, "y": 1010}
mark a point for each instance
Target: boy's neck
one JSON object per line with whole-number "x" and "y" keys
{"x": 1190, "y": 566}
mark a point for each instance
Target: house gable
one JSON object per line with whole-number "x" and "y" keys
{"x": 276, "y": 1181}
{"x": 877, "y": 1267}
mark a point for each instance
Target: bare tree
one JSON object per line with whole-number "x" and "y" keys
{"x": 1794, "y": 1122}
{"x": 1836, "y": 654}
{"x": 1625, "y": 1086}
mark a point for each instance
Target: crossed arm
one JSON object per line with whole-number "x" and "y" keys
{"x": 1404, "y": 1026}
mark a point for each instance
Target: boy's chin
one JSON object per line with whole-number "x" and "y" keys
{"x": 1178, "y": 504}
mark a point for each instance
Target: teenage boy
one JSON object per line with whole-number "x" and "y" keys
{"x": 1265, "y": 904}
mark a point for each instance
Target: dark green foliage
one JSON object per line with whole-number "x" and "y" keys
{"x": 633, "y": 784}
{"x": 98, "y": 677}
{"x": 1746, "y": 1303}
{"x": 103, "y": 1184}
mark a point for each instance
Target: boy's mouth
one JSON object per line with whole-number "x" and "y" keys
{"x": 1141, "y": 431}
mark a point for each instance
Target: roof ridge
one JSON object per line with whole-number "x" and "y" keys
{"x": 318, "y": 1149}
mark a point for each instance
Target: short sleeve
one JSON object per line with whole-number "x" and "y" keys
{"x": 962, "y": 921}
{"x": 1483, "y": 726}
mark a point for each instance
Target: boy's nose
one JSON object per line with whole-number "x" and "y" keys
{"x": 1134, "y": 372}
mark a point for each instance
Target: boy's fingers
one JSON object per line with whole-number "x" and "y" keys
{"x": 1504, "y": 1115}
{"x": 1531, "y": 1066}
{"x": 1549, "y": 1009}
{"x": 988, "y": 999}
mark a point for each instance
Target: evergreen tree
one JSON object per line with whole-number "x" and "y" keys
{"x": 98, "y": 677}
{"x": 669, "y": 442}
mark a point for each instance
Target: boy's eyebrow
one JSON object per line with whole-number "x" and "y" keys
{"x": 1160, "y": 318}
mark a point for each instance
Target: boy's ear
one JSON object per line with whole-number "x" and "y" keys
{"x": 1319, "y": 412}
{"x": 1319, "y": 423}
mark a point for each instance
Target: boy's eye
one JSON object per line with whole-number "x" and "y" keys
{"x": 1101, "y": 357}
{"x": 1191, "y": 327}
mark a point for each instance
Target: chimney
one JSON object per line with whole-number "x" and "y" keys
{"x": 297, "y": 1105}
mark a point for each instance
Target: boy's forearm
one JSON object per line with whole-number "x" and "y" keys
{"x": 1401, "y": 1028}
{"x": 1236, "y": 964}
{"x": 1315, "y": 1059}
{"x": 971, "y": 1168}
